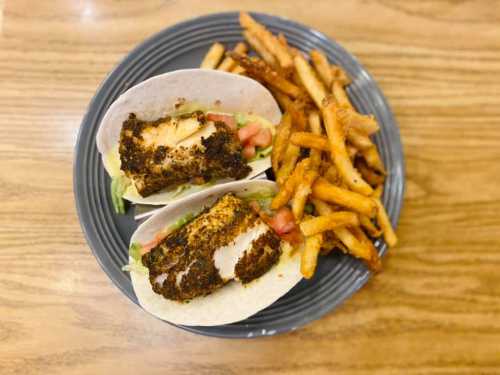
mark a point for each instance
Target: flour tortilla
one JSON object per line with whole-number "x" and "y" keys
{"x": 157, "y": 96}
{"x": 231, "y": 303}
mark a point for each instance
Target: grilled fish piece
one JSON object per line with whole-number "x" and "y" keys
{"x": 172, "y": 151}
{"x": 225, "y": 242}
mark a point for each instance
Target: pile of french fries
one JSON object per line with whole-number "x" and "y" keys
{"x": 328, "y": 169}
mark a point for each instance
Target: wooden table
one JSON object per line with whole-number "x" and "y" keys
{"x": 434, "y": 310}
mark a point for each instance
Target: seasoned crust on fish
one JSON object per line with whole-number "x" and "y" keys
{"x": 169, "y": 152}
{"x": 182, "y": 265}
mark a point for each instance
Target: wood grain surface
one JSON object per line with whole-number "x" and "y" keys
{"x": 435, "y": 309}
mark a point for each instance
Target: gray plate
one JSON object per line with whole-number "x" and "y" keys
{"x": 183, "y": 46}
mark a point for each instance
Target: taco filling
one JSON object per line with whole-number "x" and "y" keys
{"x": 194, "y": 148}
{"x": 226, "y": 242}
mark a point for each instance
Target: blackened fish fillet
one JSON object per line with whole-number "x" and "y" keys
{"x": 172, "y": 151}
{"x": 228, "y": 241}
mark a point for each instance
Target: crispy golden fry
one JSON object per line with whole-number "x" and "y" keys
{"x": 281, "y": 141}
{"x": 331, "y": 242}
{"x": 315, "y": 126}
{"x": 213, "y": 56}
{"x": 288, "y": 187}
{"x": 372, "y": 259}
{"x": 309, "y": 140}
{"x": 320, "y": 63}
{"x": 332, "y": 176}
{"x": 349, "y": 237}
{"x": 296, "y": 110}
{"x": 267, "y": 39}
{"x": 377, "y": 193}
{"x": 312, "y": 84}
{"x": 290, "y": 158}
{"x": 385, "y": 224}
{"x": 373, "y": 159}
{"x": 352, "y": 152}
{"x": 238, "y": 70}
{"x": 340, "y": 75}
{"x": 369, "y": 227}
{"x": 341, "y": 98}
{"x": 326, "y": 191}
{"x": 261, "y": 50}
{"x": 302, "y": 192}
{"x": 331, "y": 221}
{"x": 368, "y": 174}
{"x": 359, "y": 140}
{"x": 228, "y": 63}
{"x": 264, "y": 72}
{"x": 352, "y": 120}
{"x": 309, "y": 256}
{"x": 339, "y": 152}
{"x": 315, "y": 123}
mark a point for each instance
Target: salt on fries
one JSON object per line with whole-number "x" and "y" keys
{"x": 327, "y": 168}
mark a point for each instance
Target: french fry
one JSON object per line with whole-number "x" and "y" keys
{"x": 331, "y": 242}
{"x": 299, "y": 119}
{"x": 238, "y": 70}
{"x": 228, "y": 63}
{"x": 326, "y": 191}
{"x": 319, "y": 224}
{"x": 290, "y": 158}
{"x": 341, "y": 98}
{"x": 312, "y": 84}
{"x": 332, "y": 176}
{"x": 340, "y": 75}
{"x": 372, "y": 158}
{"x": 368, "y": 174}
{"x": 385, "y": 224}
{"x": 280, "y": 141}
{"x": 338, "y": 151}
{"x": 354, "y": 246}
{"x": 264, "y": 72}
{"x": 372, "y": 258}
{"x": 353, "y": 120}
{"x": 309, "y": 140}
{"x": 359, "y": 140}
{"x": 287, "y": 189}
{"x": 267, "y": 39}
{"x": 352, "y": 152}
{"x": 213, "y": 56}
{"x": 302, "y": 192}
{"x": 377, "y": 193}
{"x": 309, "y": 256}
{"x": 315, "y": 126}
{"x": 369, "y": 227}
{"x": 261, "y": 50}
{"x": 320, "y": 63}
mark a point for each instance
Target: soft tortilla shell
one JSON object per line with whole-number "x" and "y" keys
{"x": 233, "y": 302}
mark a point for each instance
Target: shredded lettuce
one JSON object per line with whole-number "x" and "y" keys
{"x": 135, "y": 263}
{"x": 135, "y": 251}
{"x": 241, "y": 119}
{"x": 119, "y": 185}
{"x": 262, "y": 153}
{"x": 182, "y": 221}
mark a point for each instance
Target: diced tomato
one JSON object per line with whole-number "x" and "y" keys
{"x": 294, "y": 237}
{"x": 283, "y": 221}
{"x": 226, "y": 119}
{"x": 263, "y": 138}
{"x": 248, "y": 152}
{"x": 145, "y": 248}
{"x": 248, "y": 131}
